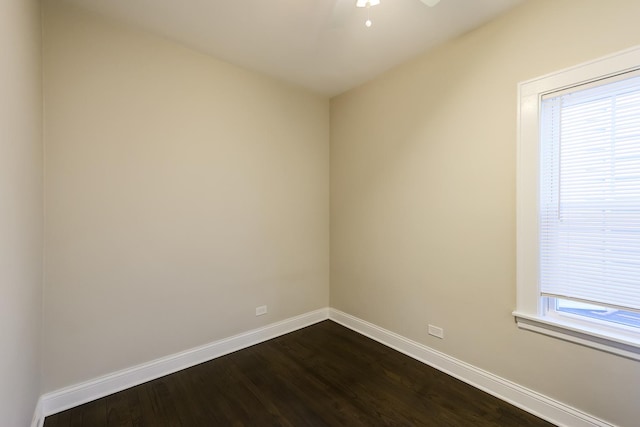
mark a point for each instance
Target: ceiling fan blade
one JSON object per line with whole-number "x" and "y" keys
{"x": 430, "y": 3}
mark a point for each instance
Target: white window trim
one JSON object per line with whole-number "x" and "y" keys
{"x": 530, "y": 310}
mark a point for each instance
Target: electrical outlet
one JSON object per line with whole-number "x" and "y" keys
{"x": 436, "y": 331}
{"x": 261, "y": 310}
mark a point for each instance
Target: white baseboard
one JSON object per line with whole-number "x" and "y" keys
{"x": 69, "y": 397}
{"x": 528, "y": 400}
{"x": 38, "y": 415}
{"x": 535, "y": 403}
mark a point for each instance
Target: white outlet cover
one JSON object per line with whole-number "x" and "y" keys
{"x": 261, "y": 310}
{"x": 436, "y": 331}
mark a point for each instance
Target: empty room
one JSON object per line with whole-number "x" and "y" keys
{"x": 319, "y": 213}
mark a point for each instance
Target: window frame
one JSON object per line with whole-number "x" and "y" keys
{"x": 530, "y": 313}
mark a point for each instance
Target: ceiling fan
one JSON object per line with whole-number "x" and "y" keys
{"x": 369, "y": 3}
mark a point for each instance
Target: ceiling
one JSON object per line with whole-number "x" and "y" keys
{"x": 322, "y": 45}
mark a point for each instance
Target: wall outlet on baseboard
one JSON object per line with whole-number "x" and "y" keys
{"x": 436, "y": 331}
{"x": 261, "y": 310}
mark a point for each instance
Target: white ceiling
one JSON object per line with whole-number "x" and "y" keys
{"x": 322, "y": 45}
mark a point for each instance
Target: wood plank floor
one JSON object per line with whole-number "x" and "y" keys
{"x": 323, "y": 375}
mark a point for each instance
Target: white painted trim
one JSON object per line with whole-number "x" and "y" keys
{"x": 526, "y": 399}
{"x": 530, "y": 307}
{"x": 579, "y": 333}
{"x": 69, "y": 397}
{"x": 537, "y": 404}
{"x": 38, "y": 415}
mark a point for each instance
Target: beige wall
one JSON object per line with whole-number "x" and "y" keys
{"x": 20, "y": 210}
{"x": 181, "y": 193}
{"x": 423, "y": 199}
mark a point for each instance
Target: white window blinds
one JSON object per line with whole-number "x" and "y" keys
{"x": 590, "y": 194}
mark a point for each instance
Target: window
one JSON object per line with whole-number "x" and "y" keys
{"x": 579, "y": 204}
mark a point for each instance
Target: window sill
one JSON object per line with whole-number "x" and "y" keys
{"x": 590, "y": 337}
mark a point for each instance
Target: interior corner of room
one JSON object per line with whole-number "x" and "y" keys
{"x": 159, "y": 206}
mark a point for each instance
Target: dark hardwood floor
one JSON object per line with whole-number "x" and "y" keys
{"x": 323, "y": 375}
